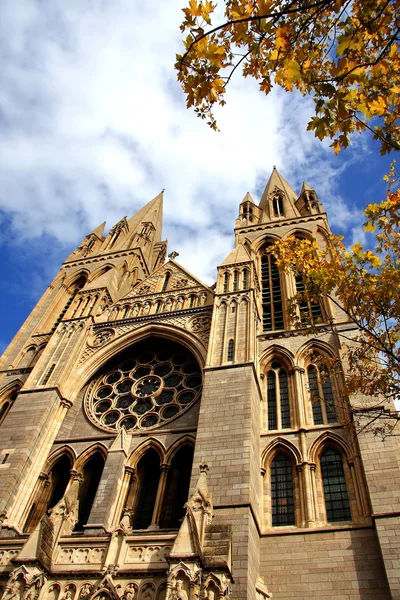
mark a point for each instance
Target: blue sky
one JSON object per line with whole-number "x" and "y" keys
{"x": 93, "y": 124}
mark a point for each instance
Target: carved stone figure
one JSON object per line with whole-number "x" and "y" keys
{"x": 31, "y": 594}
{"x": 202, "y": 300}
{"x": 146, "y": 308}
{"x": 12, "y": 591}
{"x": 85, "y": 590}
{"x": 178, "y": 592}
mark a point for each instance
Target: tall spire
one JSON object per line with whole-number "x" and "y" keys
{"x": 98, "y": 231}
{"x": 152, "y": 213}
{"x": 279, "y": 187}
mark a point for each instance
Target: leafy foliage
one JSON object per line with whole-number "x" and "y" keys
{"x": 345, "y": 53}
{"x": 364, "y": 285}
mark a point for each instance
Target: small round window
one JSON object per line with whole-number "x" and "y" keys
{"x": 150, "y": 384}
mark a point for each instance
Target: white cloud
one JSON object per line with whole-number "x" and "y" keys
{"x": 94, "y": 124}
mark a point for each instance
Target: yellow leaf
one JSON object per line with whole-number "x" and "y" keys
{"x": 369, "y": 227}
{"x": 336, "y": 146}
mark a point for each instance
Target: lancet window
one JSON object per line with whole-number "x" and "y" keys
{"x": 226, "y": 283}
{"x": 282, "y": 497}
{"x": 278, "y": 400}
{"x": 177, "y": 489}
{"x": 321, "y": 395}
{"x": 50, "y": 490}
{"x": 245, "y": 279}
{"x": 277, "y": 205}
{"x": 87, "y": 490}
{"x": 231, "y": 351}
{"x": 158, "y": 491}
{"x": 310, "y": 308}
{"x": 166, "y": 280}
{"x": 335, "y": 489}
{"x": 235, "y": 281}
{"x": 6, "y": 403}
{"x": 272, "y": 304}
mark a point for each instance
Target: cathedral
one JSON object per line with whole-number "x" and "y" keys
{"x": 161, "y": 439}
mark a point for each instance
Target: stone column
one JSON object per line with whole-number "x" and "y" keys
{"x": 158, "y": 505}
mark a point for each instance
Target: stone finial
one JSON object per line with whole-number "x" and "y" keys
{"x": 173, "y": 255}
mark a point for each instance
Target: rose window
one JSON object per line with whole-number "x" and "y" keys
{"x": 146, "y": 388}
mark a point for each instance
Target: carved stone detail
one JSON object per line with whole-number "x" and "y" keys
{"x": 201, "y": 323}
{"x": 146, "y": 554}
{"x": 102, "y": 337}
{"x": 6, "y": 555}
{"x": 80, "y": 555}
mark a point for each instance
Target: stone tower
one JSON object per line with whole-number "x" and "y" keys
{"x": 163, "y": 439}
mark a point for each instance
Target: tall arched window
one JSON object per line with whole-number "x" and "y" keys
{"x": 235, "y": 281}
{"x": 50, "y": 491}
{"x": 72, "y": 290}
{"x": 148, "y": 475}
{"x": 278, "y": 397}
{"x": 7, "y": 402}
{"x": 277, "y": 205}
{"x": 282, "y": 498}
{"x": 166, "y": 280}
{"x": 87, "y": 490}
{"x": 321, "y": 395}
{"x": 226, "y": 282}
{"x": 335, "y": 490}
{"x": 245, "y": 279}
{"x": 271, "y": 294}
{"x": 231, "y": 351}
{"x": 177, "y": 489}
{"x": 310, "y": 308}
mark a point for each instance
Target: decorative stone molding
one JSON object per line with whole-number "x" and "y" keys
{"x": 101, "y": 338}
{"x": 138, "y": 554}
{"x": 7, "y": 555}
{"x": 79, "y": 555}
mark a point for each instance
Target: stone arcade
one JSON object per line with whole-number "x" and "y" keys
{"x": 163, "y": 439}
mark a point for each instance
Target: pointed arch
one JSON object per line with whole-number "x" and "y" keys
{"x": 86, "y": 454}
{"x": 99, "y": 359}
{"x": 302, "y": 357}
{"x": 177, "y": 487}
{"x": 54, "y": 456}
{"x": 12, "y": 386}
{"x": 8, "y": 395}
{"x": 186, "y": 440}
{"x": 276, "y": 351}
{"x": 100, "y": 271}
{"x": 281, "y": 444}
{"x": 298, "y": 232}
{"x": 281, "y": 483}
{"x": 328, "y": 438}
{"x": 264, "y": 240}
{"x": 141, "y": 450}
{"x": 50, "y": 486}
{"x": 77, "y": 278}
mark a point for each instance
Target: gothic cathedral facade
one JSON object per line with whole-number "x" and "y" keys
{"x": 162, "y": 439}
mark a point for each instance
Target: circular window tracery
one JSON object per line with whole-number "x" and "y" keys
{"x": 145, "y": 389}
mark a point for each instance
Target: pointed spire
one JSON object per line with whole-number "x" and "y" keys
{"x": 152, "y": 213}
{"x": 278, "y": 183}
{"x": 306, "y": 188}
{"x": 98, "y": 231}
{"x": 248, "y": 198}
